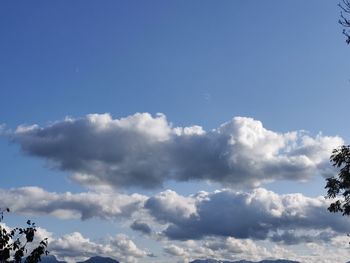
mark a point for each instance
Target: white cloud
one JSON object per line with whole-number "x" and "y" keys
{"x": 258, "y": 215}
{"x": 75, "y": 247}
{"x": 222, "y": 224}
{"x": 175, "y": 250}
{"x": 170, "y": 206}
{"x": 36, "y": 201}
{"x": 229, "y": 248}
{"x": 145, "y": 151}
{"x": 126, "y": 247}
{"x": 223, "y": 249}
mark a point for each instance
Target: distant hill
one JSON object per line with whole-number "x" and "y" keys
{"x": 242, "y": 261}
{"x": 99, "y": 260}
{"x": 52, "y": 259}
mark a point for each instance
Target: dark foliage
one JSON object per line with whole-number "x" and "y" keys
{"x": 344, "y": 20}
{"x": 13, "y": 243}
{"x": 338, "y": 188}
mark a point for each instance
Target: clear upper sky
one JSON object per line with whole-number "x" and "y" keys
{"x": 197, "y": 62}
{"x": 284, "y": 63}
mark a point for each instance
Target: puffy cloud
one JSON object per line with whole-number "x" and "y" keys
{"x": 258, "y": 215}
{"x": 36, "y": 201}
{"x": 100, "y": 150}
{"x": 141, "y": 226}
{"x": 126, "y": 248}
{"x": 223, "y": 224}
{"x": 220, "y": 248}
{"x": 336, "y": 249}
{"x": 74, "y": 247}
{"x": 232, "y": 249}
{"x": 174, "y": 250}
{"x": 169, "y": 206}
{"x": 145, "y": 151}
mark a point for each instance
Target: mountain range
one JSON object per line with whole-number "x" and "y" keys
{"x": 242, "y": 261}
{"x": 52, "y": 259}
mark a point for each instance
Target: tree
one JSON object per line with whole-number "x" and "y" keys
{"x": 13, "y": 243}
{"x": 344, "y": 21}
{"x": 339, "y": 187}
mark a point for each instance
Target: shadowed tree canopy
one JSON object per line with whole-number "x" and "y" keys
{"x": 13, "y": 243}
{"x": 344, "y": 18}
{"x": 339, "y": 187}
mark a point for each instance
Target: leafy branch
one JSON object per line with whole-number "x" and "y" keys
{"x": 344, "y": 20}
{"x": 13, "y": 243}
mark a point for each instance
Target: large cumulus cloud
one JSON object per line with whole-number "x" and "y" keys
{"x": 258, "y": 215}
{"x": 142, "y": 150}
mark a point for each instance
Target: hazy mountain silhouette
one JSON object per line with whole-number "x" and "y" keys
{"x": 242, "y": 261}
{"x": 99, "y": 260}
{"x": 52, "y": 259}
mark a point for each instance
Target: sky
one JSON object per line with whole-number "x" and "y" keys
{"x": 164, "y": 131}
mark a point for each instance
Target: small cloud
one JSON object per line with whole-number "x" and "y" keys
{"x": 207, "y": 96}
{"x": 142, "y": 227}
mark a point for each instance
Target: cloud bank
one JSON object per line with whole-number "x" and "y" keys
{"x": 257, "y": 215}
{"x": 336, "y": 250}
{"x": 145, "y": 151}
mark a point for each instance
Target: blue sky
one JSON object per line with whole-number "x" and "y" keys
{"x": 281, "y": 64}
